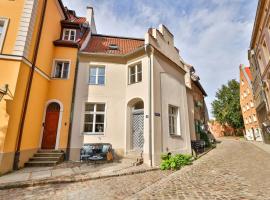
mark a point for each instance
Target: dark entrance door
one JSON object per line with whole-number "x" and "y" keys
{"x": 50, "y": 126}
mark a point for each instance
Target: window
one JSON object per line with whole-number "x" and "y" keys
{"x": 251, "y": 104}
{"x": 135, "y": 73}
{"x": 94, "y": 118}
{"x": 69, "y": 34}
{"x": 242, "y": 82}
{"x": 244, "y": 109}
{"x": 174, "y": 120}
{"x": 3, "y": 30}
{"x": 97, "y": 76}
{"x": 61, "y": 69}
{"x": 254, "y": 118}
{"x": 247, "y": 106}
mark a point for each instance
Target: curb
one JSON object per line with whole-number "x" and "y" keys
{"x": 204, "y": 153}
{"x": 70, "y": 179}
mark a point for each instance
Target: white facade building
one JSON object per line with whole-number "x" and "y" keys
{"x": 132, "y": 93}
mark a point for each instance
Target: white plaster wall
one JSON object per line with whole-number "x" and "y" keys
{"x": 169, "y": 88}
{"x": 116, "y": 93}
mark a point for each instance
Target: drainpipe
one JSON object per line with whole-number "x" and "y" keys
{"x": 28, "y": 91}
{"x": 148, "y": 51}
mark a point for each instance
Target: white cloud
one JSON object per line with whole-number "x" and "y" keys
{"x": 212, "y": 35}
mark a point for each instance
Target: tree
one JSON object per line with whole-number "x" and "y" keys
{"x": 226, "y": 106}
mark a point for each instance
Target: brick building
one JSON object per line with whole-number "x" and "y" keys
{"x": 252, "y": 129}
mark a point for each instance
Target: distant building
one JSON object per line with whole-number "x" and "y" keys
{"x": 252, "y": 128}
{"x": 259, "y": 58}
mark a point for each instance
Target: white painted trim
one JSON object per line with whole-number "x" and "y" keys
{"x": 53, "y": 68}
{"x": 4, "y": 33}
{"x": 82, "y": 119}
{"x": 69, "y": 34}
{"x": 59, "y": 122}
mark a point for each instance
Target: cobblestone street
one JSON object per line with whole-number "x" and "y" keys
{"x": 234, "y": 170}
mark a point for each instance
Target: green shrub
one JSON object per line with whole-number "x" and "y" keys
{"x": 174, "y": 162}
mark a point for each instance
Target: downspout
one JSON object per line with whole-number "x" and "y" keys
{"x": 148, "y": 51}
{"x": 72, "y": 107}
{"x": 28, "y": 90}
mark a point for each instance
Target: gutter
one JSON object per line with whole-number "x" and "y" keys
{"x": 28, "y": 91}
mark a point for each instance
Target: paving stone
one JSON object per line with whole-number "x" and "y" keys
{"x": 41, "y": 174}
{"x": 15, "y": 178}
{"x": 234, "y": 170}
{"x": 62, "y": 172}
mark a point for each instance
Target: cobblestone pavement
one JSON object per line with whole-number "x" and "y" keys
{"x": 234, "y": 170}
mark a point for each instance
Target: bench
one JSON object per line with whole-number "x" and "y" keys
{"x": 96, "y": 152}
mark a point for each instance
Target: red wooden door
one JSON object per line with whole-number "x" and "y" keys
{"x": 50, "y": 126}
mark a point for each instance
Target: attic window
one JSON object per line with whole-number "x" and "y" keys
{"x": 113, "y": 47}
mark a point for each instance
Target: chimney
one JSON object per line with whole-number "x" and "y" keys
{"x": 90, "y": 18}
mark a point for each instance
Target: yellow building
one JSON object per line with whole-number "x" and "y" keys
{"x": 39, "y": 42}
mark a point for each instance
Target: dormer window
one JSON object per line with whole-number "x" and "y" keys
{"x": 69, "y": 35}
{"x": 113, "y": 47}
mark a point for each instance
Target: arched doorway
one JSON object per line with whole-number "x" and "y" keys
{"x": 137, "y": 126}
{"x": 50, "y": 126}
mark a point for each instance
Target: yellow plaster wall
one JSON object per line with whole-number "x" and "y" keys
{"x": 61, "y": 89}
{"x": 51, "y": 32}
{"x": 14, "y": 20}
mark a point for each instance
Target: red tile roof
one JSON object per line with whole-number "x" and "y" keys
{"x": 100, "y": 44}
{"x": 247, "y": 69}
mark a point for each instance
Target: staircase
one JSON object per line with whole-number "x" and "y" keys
{"x": 44, "y": 158}
{"x": 135, "y": 155}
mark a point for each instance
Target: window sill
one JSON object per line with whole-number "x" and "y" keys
{"x": 134, "y": 83}
{"x": 93, "y": 134}
{"x": 176, "y": 135}
{"x": 64, "y": 79}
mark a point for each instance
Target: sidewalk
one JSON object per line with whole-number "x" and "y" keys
{"x": 68, "y": 172}
{"x": 261, "y": 145}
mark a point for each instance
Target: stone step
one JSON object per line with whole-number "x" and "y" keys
{"x": 49, "y": 151}
{"x": 44, "y": 159}
{"x": 48, "y": 154}
{"x": 40, "y": 163}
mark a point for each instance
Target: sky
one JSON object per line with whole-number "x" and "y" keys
{"x": 212, "y": 35}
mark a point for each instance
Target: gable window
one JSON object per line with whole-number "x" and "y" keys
{"x": 3, "y": 30}
{"x": 94, "y": 118}
{"x": 69, "y": 34}
{"x": 61, "y": 69}
{"x": 135, "y": 73}
{"x": 174, "y": 122}
{"x": 97, "y": 76}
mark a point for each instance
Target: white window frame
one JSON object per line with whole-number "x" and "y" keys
{"x": 94, "y": 113}
{"x": 96, "y": 75}
{"x": 136, "y": 73}
{"x": 54, "y": 68}
{"x": 69, "y": 34}
{"x": 4, "y": 33}
{"x": 176, "y": 118}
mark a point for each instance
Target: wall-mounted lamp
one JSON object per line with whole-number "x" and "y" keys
{"x": 5, "y": 91}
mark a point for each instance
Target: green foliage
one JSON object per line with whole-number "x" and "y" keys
{"x": 226, "y": 106}
{"x": 175, "y": 162}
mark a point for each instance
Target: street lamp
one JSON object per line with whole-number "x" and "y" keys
{"x": 3, "y": 91}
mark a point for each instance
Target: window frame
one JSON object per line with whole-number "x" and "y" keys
{"x": 96, "y": 75}
{"x": 94, "y": 113}
{"x": 54, "y": 68}
{"x": 176, "y": 117}
{"x": 69, "y": 34}
{"x": 136, "y": 73}
{"x": 4, "y": 32}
